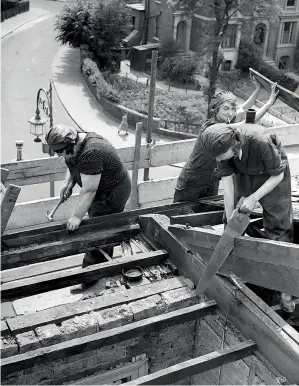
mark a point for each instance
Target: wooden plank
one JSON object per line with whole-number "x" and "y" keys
{"x": 134, "y": 192}
{"x": 41, "y": 268}
{"x": 156, "y": 190}
{"x": 4, "y": 175}
{"x": 55, "y": 280}
{"x": 244, "y": 314}
{"x": 197, "y": 365}
{"x": 235, "y": 227}
{"x": 70, "y": 244}
{"x": 257, "y": 261}
{"x": 45, "y": 169}
{"x": 285, "y": 133}
{"x": 66, "y": 311}
{"x": 104, "y": 338}
{"x": 56, "y": 231}
{"x": 168, "y": 153}
{"x": 198, "y": 219}
{"x": 8, "y": 203}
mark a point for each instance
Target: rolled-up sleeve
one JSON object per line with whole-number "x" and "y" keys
{"x": 272, "y": 157}
{"x": 225, "y": 169}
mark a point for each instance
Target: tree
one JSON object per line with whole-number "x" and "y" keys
{"x": 222, "y": 11}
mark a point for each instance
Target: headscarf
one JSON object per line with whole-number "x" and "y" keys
{"x": 60, "y": 136}
{"x": 217, "y": 139}
{"x": 220, "y": 98}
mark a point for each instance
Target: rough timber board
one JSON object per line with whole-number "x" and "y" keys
{"x": 104, "y": 338}
{"x": 7, "y": 204}
{"x": 55, "y": 280}
{"x": 59, "y": 313}
{"x": 198, "y": 219}
{"x": 244, "y": 313}
{"x": 56, "y": 231}
{"x": 72, "y": 243}
{"x": 254, "y": 260}
{"x": 197, "y": 365}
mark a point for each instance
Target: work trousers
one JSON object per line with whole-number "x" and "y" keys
{"x": 108, "y": 202}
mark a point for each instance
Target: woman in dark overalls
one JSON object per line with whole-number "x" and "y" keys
{"x": 255, "y": 166}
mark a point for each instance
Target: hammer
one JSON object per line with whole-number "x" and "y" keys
{"x": 51, "y": 214}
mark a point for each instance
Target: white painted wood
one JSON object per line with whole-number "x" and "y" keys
{"x": 156, "y": 190}
{"x": 168, "y": 153}
{"x": 288, "y": 134}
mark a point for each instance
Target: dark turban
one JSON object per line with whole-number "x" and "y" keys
{"x": 220, "y": 98}
{"x": 217, "y": 139}
{"x": 60, "y": 136}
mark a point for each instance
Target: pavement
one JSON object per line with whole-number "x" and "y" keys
{"x": 16, "y": 22}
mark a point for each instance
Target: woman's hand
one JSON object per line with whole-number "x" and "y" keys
{"x": 274, "y": 94}
{"x": 73, "y": 223}
{"x": 66, "y": 191}
{"x": 248, "y": 204}
{"x": 255, "y": 82}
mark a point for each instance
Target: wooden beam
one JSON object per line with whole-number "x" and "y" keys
{"x": 198, "y": 219}
{"x": 245, "y": 314}
{"x": 104, "y": 338}
{"x": 175, "y": 373}
{"x": 4, "y": 328}
{"x": 63, "y": 312}
{"x": 4, "y": 175}
{"x": 70, "y": 244}
{"x": 257, "y": 261}
{"x": 55, "y": 280}
{"x": 8, "y": 202}
{"x": 56, "y": 231}
{"x": 156, "y": 190}
{"x": 168, "y": 153}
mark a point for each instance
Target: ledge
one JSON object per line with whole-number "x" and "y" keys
{"x": 22, "y": 6}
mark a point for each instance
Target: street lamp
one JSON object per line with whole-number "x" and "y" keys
{"x": 37, "y": 123}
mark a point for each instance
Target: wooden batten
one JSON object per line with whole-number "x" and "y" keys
{"x": 268, "y": 263}
{"x": 70, "y": 244}
{"x": 198, "y": 219}
{"x": 104, "y": 338}
{"x": 252, "y": 320}
{"x": 7, "y": 204}
{"x": 198, "y": 365}
{"x": 55, "y": 280}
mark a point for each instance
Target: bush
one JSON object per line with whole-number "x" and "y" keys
{"x": 73, "y": 23}
{"x": 169, "y": 48}
{"x": 229, "y": 79}
{"x": 249, "y": 56}
{"x": 97, "y": 80}
{"x": 179, "y": 70}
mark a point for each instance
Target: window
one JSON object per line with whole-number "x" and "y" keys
{"x": 226, "y": 66}
{"x": 291, "y": 3}
{"x": 229, "y": 38}
{"x": 287, "y": 32}
{"x": 157, "y": 27}
{"x": 284, "y": 63}
{"x": 132, "y": 23}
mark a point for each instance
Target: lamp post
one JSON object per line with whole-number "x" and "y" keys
{"x": 37, "y": 123}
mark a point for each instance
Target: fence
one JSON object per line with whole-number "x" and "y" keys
{"x": 148, "y": 193}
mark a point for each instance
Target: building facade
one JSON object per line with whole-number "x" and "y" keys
{"x": 278, "y": 40}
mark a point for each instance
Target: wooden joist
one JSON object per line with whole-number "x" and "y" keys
{"x": 101, "y": 339}
{"x": 62, "y": 312}
{"x": 8, "y": 202}
{"x": 70, "y": 244}
{"x": 4, "y": 175}
{"x": 198, "y": 219}
{"x": 267, "y": 263}
{"x": 175, "y": 373}
{"x": 245, "y": 312}
{"x": 55, "y": 232}
{"x": 55, "y": 280}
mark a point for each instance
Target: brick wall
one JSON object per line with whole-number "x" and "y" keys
{"x": 163, "y": 348}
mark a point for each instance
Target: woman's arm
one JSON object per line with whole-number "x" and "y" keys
{"x": 262, "y": 111}
{"x": 90, "y": 185}
{"x": 249, "y": 202}
{"x": 229, "y": 195}
{"x": 251, "y": 100}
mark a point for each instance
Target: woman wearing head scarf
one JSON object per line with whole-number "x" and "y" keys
{"x": 254, "y": 165}
{"x": 197, "y": 178}
{"x": 94, "y": 164}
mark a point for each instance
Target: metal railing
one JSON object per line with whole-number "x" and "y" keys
{"x": 180, "y": 127}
